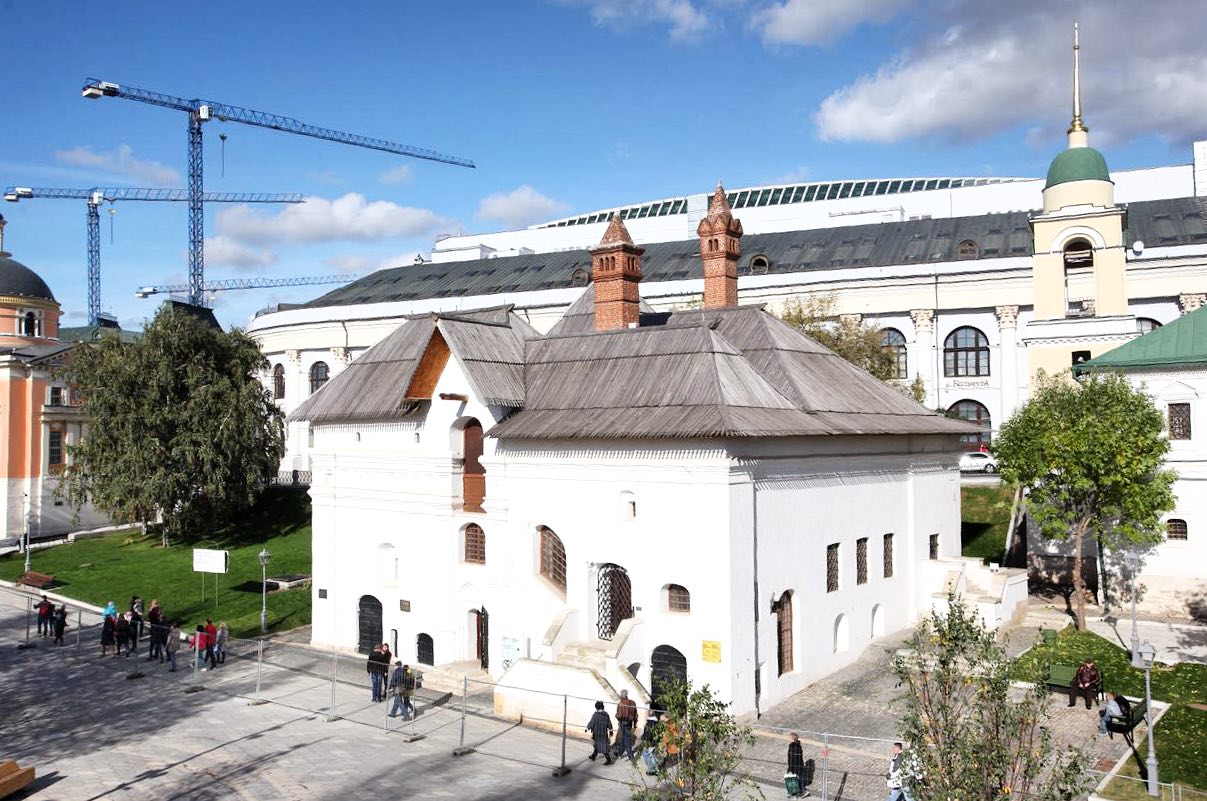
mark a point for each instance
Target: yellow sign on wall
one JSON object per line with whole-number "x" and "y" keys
{"x": 710, "y": 651}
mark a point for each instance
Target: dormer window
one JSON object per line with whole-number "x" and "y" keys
{"x": 967, "y": 249}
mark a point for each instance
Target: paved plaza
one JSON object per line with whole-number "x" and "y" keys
{"x": 93, "y": 733}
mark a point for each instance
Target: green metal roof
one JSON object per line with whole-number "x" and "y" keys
{"x": 1182, "y": 342}
{"x": 1077, "y": 164}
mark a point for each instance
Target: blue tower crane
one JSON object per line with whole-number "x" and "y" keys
{"x": 245, "y": 283}
{"x": 201, "y": 111}
{"x": 95, "y": 196}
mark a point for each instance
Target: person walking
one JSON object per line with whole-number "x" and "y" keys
{"x": 171, "y": 646}
{"x": 626, "y": 720}
{"x": 1085, "y": 683}
{"x": 211, "y": 638}
{"x": 122, "y": 629}
{"x": 600, "y": 727}
{"x": 45, "y": 609}
{"x": 894, "y": 778}
{"x": 201, "y": 647}
{"x": 108, "y": 633}
{"x": 158, "y": 630}
{"x": 136, "y": 619}
{"x": 59, "y": 622}
{"x": 402, "y": 684}
{"x": 221, "y": 641}
{"x": 796, "y": 765}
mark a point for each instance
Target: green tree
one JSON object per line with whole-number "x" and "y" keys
{"x": 1091, "y": 456}
{"x": 972, "y": 736}
{"x": 179, "y": 424}
{"x": 844, "y": 334}
{"x": 699, "y": 747}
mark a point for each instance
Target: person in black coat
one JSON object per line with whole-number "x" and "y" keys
{"x": 59, "y": 621}
{"x": 796, "y": 764}
{"x": 600, "y": 727}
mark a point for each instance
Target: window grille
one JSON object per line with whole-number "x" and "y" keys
{"x": 1176, "y": 530}
{"x": 783, "y": 631}
{"x": 553, "y": 558}
{"x": 56, "y": 448}
{"x": 832, "y": 567}
{"x": 318, "y": 376}
{"x": 861, "y": 560}
{"x": 475, "y": 544}
{"x": 1179, "y": 421}
{"x": 678, "y": 599}
{"x": 934, "y": 546}
{"x": 278, "y": 382}
{"x": 888, "y": 555}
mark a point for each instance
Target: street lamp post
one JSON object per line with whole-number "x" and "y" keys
{"x": 1147, "y": 654}
{"x": 264, "y": 557}
{"x": 25, "y": 534}
{"x": 1133, "y": 563}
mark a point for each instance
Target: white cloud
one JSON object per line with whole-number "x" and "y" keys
{"x": 519, "y": 207}
{"x": 685, "y": 18}
{"x": 350, "y": 217}
{"x": 813, "y": 22}
{"x": 402, "y": 174}
{"x": 1009, "y": 64}
{"x": 120, "y": 162}
{"x": 222, "y": 250}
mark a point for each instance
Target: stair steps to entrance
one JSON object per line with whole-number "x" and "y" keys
{"x": 587, "y": 655}
{"x": 449, "y": 677}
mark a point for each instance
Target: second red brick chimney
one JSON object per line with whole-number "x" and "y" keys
{"x": 720, "y": 246}
{"x": 616, "y": 272}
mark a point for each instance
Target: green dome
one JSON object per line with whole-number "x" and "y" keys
{"x": 1077, "y": 164}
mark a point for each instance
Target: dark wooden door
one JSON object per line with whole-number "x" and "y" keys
{"x": 369, "y": 630}
{"x": 667, "y": 665}
{"x": 425, "y": 650}
{"x": 473, "y": 474}
{"x": 615, "y": 594}
{"x": 483, "y": 637}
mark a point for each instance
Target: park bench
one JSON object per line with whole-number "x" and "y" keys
{"x": 14, "y": 778}
{"x": 1060, "y": 677}
{"x": 1124, "y": 724}
{"x": 36, "y": 580}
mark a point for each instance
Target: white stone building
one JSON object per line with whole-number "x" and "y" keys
{"x": 635, "y": 496}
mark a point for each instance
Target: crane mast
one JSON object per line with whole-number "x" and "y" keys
{"x": 200, "y": 111}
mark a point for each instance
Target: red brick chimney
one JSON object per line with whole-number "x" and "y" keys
{"x": 720, "y": 246}
{"x": 616, "y": 272}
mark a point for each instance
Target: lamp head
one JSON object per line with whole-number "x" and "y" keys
{"x": 264, "y": 557}
{"x": 1147, "y": 652}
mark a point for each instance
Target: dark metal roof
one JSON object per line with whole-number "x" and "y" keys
{"x": 17, "y": 279}
{"x": 1178, "y": 221}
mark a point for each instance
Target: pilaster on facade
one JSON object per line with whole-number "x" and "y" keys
{"x": 1007, "y": 323}
{"x": 340, "y": 355}
{"x": 1191, "y": 301}
{"x": 921, "y": 353}
{"x": 924, "y": 320}
{"x": 294, "y": 357}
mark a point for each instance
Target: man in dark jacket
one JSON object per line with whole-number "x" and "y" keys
{"x": 1085, "y": 683}
{"x": 376, "y": 667}
{"x": 45, "y": 610}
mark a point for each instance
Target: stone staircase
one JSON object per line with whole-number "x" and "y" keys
{"x": 449, "y": 678}
{"x": 586, "y": 655}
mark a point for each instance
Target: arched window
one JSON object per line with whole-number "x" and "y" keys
{"x": 965, "y": 353}
{"x": 1146, "y": 324}
{"x": 278, "y": 382}
{"x": 976, "y": 413}
{"x": 783, "y": 631}
{"x": 32, "y": 326}
{"x": 475, "y": 544}
{"x": 678, "y": 599}
{"x": 553, "y": 558}
{"x": 893, "y": 341}
{"x": 1079, "y": 264}
{"x": 318, "y": 376}
{"x": 1176, "y": 529}
{"x": 968, "y": 249}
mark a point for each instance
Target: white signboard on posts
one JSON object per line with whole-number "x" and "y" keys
{"x": 210, "y": 561}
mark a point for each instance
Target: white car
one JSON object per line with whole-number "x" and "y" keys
{"x": 977, "y": 462}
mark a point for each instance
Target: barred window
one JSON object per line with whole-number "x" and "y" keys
{"x": 475, "y": 544}
{"x": 678, "y": 599}
{"x": 832, "y": 567}
{"x": 934, "y": 546}
{"x": 278, "y": 382}
{"x": 783, "y": 631}
{"x": 1179, "y": 421}
{"x": 56, "y": 448}
{"x": 861, "y": 560}
{"x": 888, "y": 555}
{"x": 1176, "y": 529}
{"x": 553, "y": 558}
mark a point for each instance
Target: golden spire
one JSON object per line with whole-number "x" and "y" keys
{"x": 1077, "y": 126}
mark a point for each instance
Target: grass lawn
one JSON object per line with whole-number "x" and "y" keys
{"x": 985, "y": 513}
{"x": 115, "y": 567}
{"x": 1181, "y": 735}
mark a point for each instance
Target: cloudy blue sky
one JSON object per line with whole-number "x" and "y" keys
{"x": 566, "y": 106}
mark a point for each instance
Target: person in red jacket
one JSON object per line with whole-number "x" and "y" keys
{"x": 45, "y": 610}
{"x": 200, "y": 646}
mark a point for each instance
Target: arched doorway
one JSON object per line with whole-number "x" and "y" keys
{"x": 425, "y": 650}
{"x": 473, "y": 474}
{"x": 615, "y": 596}
{"x": 480, "y": 636}
{"x": 369, "y": 619}
{"x": 667, "y": 665}
{"x": 877, "y": 621}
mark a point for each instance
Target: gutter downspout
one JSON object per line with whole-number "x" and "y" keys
{"x": 754, "y": 517}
